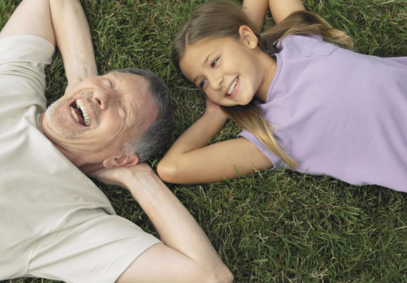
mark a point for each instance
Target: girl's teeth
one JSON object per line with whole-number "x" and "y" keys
{"x": 232, "y": 88}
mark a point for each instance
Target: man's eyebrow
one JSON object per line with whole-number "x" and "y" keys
{"x": 203, "y": 64}
{"x": 112, "y": 75}
{"x": 107, "y": 76}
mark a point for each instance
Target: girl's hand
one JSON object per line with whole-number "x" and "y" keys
{"x": 214, "y": 109}
{"x": 256, "y": 11}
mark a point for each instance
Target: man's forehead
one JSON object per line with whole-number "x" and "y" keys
{"x": 138, "y": 96}
{"x": 133, "y": 81}
{"x": 134, "y": 88}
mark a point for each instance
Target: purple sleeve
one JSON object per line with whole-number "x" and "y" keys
{"x": 254, "y": 140}
{"x": 402, "y": 60}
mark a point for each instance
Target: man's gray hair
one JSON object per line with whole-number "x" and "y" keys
{"x": 159, "y": 134}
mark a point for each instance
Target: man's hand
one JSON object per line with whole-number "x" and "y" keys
{"x": 137, "y": 176}
{"x": 110, "y": 176}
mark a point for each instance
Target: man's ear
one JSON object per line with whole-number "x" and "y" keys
{"x": 248, "y": 36}
{"x": 129, "y": 159}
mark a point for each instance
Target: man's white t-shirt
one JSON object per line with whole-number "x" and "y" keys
{"x": 54, "y": 222}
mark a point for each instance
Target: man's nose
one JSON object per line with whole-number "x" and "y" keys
{"x": 102, "y": 98}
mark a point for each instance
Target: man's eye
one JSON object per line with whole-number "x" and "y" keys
{"x": 123, "y": 113}
{"x": 213, "y": 64}
{"x": 202, "y": 84}
{"x": 111, "y": 84}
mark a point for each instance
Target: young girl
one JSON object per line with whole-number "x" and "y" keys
{"x": 302, "y": 101}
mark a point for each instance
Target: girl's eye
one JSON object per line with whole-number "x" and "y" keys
{"x": 213, "y": 64}
{"x": 202, "y": 84}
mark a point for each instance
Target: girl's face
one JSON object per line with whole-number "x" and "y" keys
{"x": 229, "y": 71}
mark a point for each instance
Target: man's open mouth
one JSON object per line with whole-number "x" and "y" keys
{"x": 80, "y": 113}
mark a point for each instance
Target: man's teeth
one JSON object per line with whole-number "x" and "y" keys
{"x": 81, "y": 107}
{"x": 85, "y": 114}
{"x": 74, "y": 115}
{"x": 232, "y": 88}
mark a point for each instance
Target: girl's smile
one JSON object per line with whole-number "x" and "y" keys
{"x": 233, "y": 89}
{"x": 230, "y": 71}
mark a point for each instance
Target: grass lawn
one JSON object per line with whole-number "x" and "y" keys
{"x": 271, "y": 226}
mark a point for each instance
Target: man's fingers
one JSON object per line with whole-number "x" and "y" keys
{"x": 102, "y": 175}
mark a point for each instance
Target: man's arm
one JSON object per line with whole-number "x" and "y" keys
{"x": 187, "y": 255}
{"x": 73, "y": 40}
{"x": 31, "y": 17}
{"x": 62, "y": 23}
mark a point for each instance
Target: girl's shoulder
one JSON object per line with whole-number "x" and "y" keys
{"x": 304, "y": 46}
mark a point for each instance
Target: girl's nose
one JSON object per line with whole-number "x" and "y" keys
{"x": 216, "y": 81}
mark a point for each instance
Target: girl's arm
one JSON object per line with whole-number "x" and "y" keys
{"x": 256, "y": 11}
{"x": 280, "y": 9}
{"x": 191, "y": 161}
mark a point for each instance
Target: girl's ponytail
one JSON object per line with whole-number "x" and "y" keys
{"x": 302, "y": 23}
{"x": 250, "y": 118}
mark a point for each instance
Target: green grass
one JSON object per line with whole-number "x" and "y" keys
{"x": 271, "y": 226}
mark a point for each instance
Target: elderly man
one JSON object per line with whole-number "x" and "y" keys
{"x": 54, "y": 222}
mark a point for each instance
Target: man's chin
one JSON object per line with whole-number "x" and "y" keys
{"x": 56, "y": 124}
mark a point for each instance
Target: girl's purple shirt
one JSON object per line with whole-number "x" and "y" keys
{"x": 339, "y": 113}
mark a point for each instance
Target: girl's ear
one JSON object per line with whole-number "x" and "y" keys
{"x": 248, "y": 37}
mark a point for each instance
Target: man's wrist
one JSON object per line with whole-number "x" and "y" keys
{"x": 81, "y": 71}
{"x": 143, "y": 183}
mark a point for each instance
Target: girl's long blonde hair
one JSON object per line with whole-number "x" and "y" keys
{"x": 223, "y": 19}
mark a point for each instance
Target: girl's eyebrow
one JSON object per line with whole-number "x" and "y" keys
{"x": 203, "y": 64}
{"x": 207, "y": 58}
